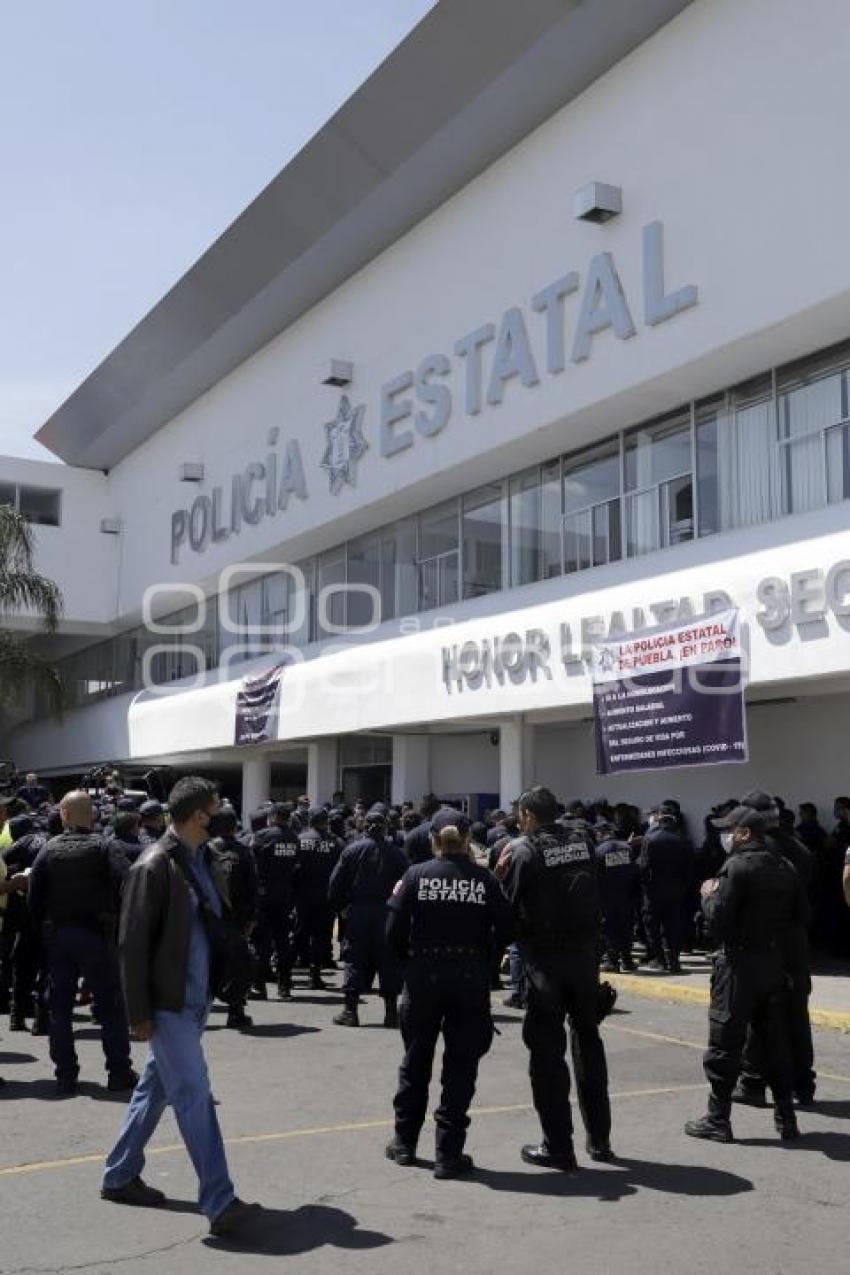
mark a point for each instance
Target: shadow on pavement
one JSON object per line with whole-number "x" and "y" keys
{"x": 278, "y": 1030}
{"x": 835, "y": 1146}
{"x": 44, "y": 1090}
{"x": 622, "y": 1179}
{"x": 6, "y": 1059}
{"x": 281, "y": 1233}
{"x": 839, "y": 1109}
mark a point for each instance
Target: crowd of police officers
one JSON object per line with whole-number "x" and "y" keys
{"x": 431, "y": 905}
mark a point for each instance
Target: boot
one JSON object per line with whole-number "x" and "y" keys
{"x": 715, "y": 1125}
{"x": 316, "y": 981}
{"x": 609, "y": 966}
{"x": 238, "y": 1019}
{"x": 284, "y": 990}
{"x": 749, "y": 1092}
{"x": 390, "y": 1012}
{"x": 785, "y": 1120}
{"x": 348, "y": 1017}
{"x": 259, "y": 992}
{"x": 41, "y": 1023}
{"x": 17, "y": 1021}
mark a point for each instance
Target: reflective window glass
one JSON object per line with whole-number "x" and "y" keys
{"x": 484, "y": 527}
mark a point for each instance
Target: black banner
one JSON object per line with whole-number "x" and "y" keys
{"x": 674, "y": 697}
{"x": 257, "y": 708}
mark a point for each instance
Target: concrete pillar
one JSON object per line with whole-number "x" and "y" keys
{"x": 516, "y": 759}
{"x": 411, "y": 768}
{"x": 256, "y": 782}
{"x": 322, "y": 777}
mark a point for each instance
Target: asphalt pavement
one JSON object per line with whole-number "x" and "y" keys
{"x": 306, "y": 1112}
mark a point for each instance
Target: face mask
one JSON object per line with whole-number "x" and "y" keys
{"x": 727, "y": 840}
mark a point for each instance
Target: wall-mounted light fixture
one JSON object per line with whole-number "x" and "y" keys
{"x": 337, "y": 372}
{"x": 597, "y": 202}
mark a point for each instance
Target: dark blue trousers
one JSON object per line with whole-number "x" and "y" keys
{"x": 365, "y": 953}
{"x": 74, "y": 953}
{"x": 452, "y": 996}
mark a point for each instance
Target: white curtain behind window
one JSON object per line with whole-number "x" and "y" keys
{"x": 748, "y": 464}
{"x": 804, "y": 413}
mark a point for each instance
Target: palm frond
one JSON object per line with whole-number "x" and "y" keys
{"x": 20, "y": 666}
{"x": 16, "y": 540}
{"x": 27, "y": 591}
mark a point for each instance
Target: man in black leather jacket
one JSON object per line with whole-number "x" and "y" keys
{"x": 165, "y": 965}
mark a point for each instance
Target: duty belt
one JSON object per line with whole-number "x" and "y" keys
{"x": 455, "y": 953}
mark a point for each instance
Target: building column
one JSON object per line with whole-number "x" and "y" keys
{"x": 256, "y": 783}
{"x": 411, "y": 768}
{"x": 322, "y": 778}
{"x": 516, "y": 759}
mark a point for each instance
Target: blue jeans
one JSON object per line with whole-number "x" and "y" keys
{"x": 175, "y": 1074}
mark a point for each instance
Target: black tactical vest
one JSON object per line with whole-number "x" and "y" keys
{"x": 80, "y": 889}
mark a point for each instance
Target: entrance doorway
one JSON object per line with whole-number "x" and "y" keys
{"x": 366, "y": 768}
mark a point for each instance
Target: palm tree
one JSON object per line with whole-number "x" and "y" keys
{"x": 23, "y": 589}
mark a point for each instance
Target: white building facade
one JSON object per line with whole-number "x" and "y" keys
{"x": 543, "y": 428}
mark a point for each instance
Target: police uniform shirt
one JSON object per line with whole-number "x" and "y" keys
{"x": 450, "y": 903}
{"x": 317, "y": 857}
{"x": 276, "y": 852}
{"x": 553, "y": 887}
{"x": 619, "y": 872}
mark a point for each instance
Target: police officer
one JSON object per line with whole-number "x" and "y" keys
{"x": 240, "y": 872}
{"x": 749, "y": 906}
{"x": 276, "y": 851}
{"x": 619, "y": 882}
{"x": 551, "y": 879}
{"x": 360, "y": 885}
{"x": 666, "y": 867}
{"x": 446, "y": 916}
{"x": 318, "y": 854}
{"x": 798, "y": 976}
{"x": 124, "y": 836}
{"x": 29, "y": 983}
{"x": 74, "y": 894}
{"x": 151, "y": 822}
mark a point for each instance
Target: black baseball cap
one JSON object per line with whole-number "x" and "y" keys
{"x": 450, "y": 818}
{"x": 150, "y": 808}
{"x": 742, "y": 817}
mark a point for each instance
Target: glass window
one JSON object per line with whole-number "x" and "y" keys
{"x": 39, "y": 505}
{"x": 8, "y": 494}
{"x": 708, "y": 423}
{"x": 438, "y": 556}
{"x": 807, "y": 406}
{"x": 331, "y": 579}
{"x": 747, "y": 456}
{"x": 551, "y": 506}
{"x": 838, "y": 463}
{"x": 658, "y": 452}
{"x": 535, "y": 522}
{"x": 591, "y": 478}
{"x": 484, "y": 527}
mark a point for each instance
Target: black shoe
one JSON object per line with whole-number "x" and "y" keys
{"x": 710, "y": 1129}
{"x": 66, "y": 1086}
{"x": 457, "y": 1167}
{"x": 390, "y": 1014}
{"x": 600, "y": 1152}
{"x": 136, "y": 1192}
{"x": 40, "y": 1025}
{"x": 347, "y": 1017}
{"x": 259, "y": 993}
{"x": 607, "y": 966}
{"x": 748, "y": 1094}
{"x": 805, "y": 1097}
{"x": 674, "y": 968}
{"x": 239, "y": 1020}
{"x": 785, "y": 1122}
{"x": 543, "y": 1158}
{"x": 17, "y": 1021}
{"x": 284, "y": 991}
{"x": 233, "y": 1217}
{"x": 627, "y": 965}
{"x": 655, "y": 967}
{"x": 514, "y": 1001}
{"x": 400, "y": 1152}
{"x": 120, "y": 1081}
{"x": 317, "y": 983}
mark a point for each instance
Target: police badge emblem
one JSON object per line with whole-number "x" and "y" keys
{"x": 344, "y": 444}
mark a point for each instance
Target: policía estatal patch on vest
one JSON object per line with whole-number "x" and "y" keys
{"x": 436, "y": 890}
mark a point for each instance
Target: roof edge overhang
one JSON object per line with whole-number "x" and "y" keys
{"x": 468, "y": 83}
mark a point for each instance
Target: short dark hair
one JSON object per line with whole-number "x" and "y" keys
{"x": 125, "y": 824}
{"x": 190, "y": 795}
{"x": 810, "y": 807}
{"x": 541, "y": 803}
